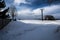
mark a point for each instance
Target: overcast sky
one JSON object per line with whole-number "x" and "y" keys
{"x": 34, "y": 6}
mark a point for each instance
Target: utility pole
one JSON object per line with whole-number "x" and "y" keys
{"x": 42, "y": 14}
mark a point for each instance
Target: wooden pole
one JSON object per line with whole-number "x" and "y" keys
{"x": 42, "y": 14}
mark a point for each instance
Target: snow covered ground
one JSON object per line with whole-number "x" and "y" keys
{"x": 41, "y": 22}
{"x": 30, "y": 30}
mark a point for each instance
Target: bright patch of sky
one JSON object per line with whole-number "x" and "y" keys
{"x": 17, "y": 2}
{"x": 25, "y": 11}
{"x": 53, "y": 9}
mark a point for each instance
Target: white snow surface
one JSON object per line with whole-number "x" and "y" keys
{"x": 30, "y": 30}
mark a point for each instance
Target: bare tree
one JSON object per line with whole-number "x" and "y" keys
{"x": 13, "y": 12}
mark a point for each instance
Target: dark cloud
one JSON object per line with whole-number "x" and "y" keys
{"x": 40, "y": 3}
{"x": 35, "y": 3}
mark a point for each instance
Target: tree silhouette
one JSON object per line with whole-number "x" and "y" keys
{"x": 2, "y": 4}
{"x": 49, "y": 17}
{"x": 3, "y": 13}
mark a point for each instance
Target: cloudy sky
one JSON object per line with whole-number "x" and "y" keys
{"x": 27, "y": 7}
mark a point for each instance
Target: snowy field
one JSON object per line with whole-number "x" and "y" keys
{"x": 41, "y": 22}
{"x": 30, "y": 30}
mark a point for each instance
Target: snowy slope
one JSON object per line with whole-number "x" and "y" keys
{"x": 25, "y": 30}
